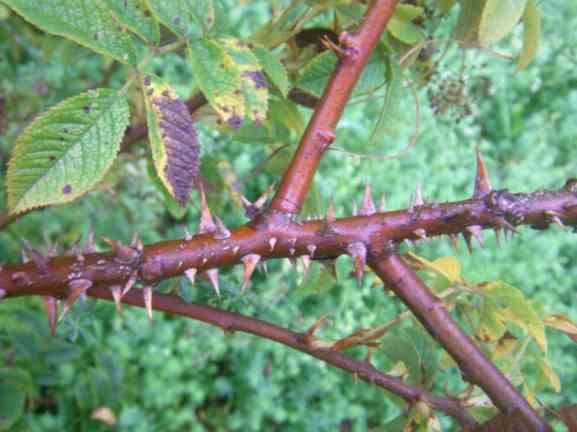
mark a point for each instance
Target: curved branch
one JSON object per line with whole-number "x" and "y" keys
{"x": 229, "y": 321}
{"x": 353, "y": 52}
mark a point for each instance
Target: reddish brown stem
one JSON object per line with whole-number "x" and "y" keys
{"x": 431, "y": 312}
{"x": 230, "y": 321}
{"x": 353, "y": 53}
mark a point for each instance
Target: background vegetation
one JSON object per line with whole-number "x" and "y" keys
{"x": 104, "y": 368}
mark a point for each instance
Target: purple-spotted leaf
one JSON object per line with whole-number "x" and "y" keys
{"x": 172, "y": 138}
{"x": 66, "y": 151}
{"x": 253, "y": 81}
{"x": 219, "y": 79}
{"x": 273, "y": 68}
{"x": 86, "y": 22}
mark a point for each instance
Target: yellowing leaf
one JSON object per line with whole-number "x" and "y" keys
{"x": 219, "y": 79}
{"x": 490, "y": 325}
{"x": 517, "y": 309}
{"x": 505, "y": 345}
{"x": 172, "y": 138}
{"x": 467, "y": 28}
{"x": 561, "y": 322}
{"x": 549, "y": 374}
{"x": 447, "y": 267}
{"x": 499, "y": 18}
{"x": 66, "y": 151}
{"x": 445, "y": 5}
{"x": 531, "y": 34}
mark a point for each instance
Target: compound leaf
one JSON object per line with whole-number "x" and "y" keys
{"x": 86, "y": 22}
{"x": 172, "y": 138}
{"x": 66, "y": 151}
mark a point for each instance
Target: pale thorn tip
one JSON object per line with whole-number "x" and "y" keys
{"x": 272, "y": 243}
{"x": 77, "y": 287}
{"x": 312, "y": 248}
{"x": 116, "y": 291}
{"x": 136, "y": 243}
{"x": 497, "y": 236}
{"x": 129, "y": 284}
{"x": 206, "y": 222}
{"x": 2, "y": 293}
{"x": 187, "y": 234}
{"x": 418, "y": 196}
{"x": 420, "y": 233}
{"x": 212, "y": 275}
{"x": 25, "y": 258}
{"x": 477, "y": 232}
{"x": 382, "y": 204}
{"x": 330, "y": 266}
{"x": 259, "y": 203}
{"x": 368, "y": 205}
{"x": 467, "y": 236}
{"x": 482, "y": 182}
{"x": 355, "y": 209}
{"x": 292, "y": 251}
{"x": 249, "y": 261}
{"x": 191, "y": 274}
{"x": 221, "y": 231}
{"x": 306, "y": 260}
{"x": 51, "y": 306}
{"x": 147, "y": 297}
{"x": 330, "y": 216}
{"x": 89, "y": 246}
{"x": 455, "y": 241}
{"x": 235, "y": 250}
{"x": 358, "y": 251}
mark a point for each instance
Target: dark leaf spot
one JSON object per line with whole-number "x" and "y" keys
{"x": 235, "y": 122}
{"x": 86, "y": 109}
{"x": 176, "y": 20}
{"x": 147, "y": 80}
{"x": 67, "y": 189}
{"x": 257, "y": 77}
{"x": 147, "y": 13}
{"x": 165, "y": 93}
{"x": 52, "y": 158}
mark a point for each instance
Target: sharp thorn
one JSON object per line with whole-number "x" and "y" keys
{"x": 187, "y": 234}
{"x": 123, "y": 253}
{"x": 147, "y": 297}
{"x": 556, "y": 220}
{"x": 330, "y": 216}
{"x": 3, "y": 294}
{"x": 506, "y": 226}
{"x": 382, "y": 204}
{"x": 40, "y": 261}
{"x": 259, "y": 203}
{"x": 455, "y": 241}
{"x": 136, "y": 243}
{"x": 129, "y": 284}
{"x": 249, "y": 261}
{"x": 235, "y": 250}
{"x": 77, "y": 287}
{"x": 293, "y": 262}
{"x": 212, "y": 276}
{"x": 482, "y": 183}
{"x": 116, "y": 291}
{"x": 368, "y": 205}
{"x": 420, "y": 233}
{"x": 498, "y": 236}
{"x": 306, "y": 261}
{"x": 51, "y": 306}
{"x": 330, "y": 266}
{"x": 355, "y": 209}
{"x": 292, "y": 251}
{"x": 418, "y": 201}
{"x": 191, "y": 274}
{"x": 89, "y": 246}
{"x": 272, "y": 243}
{"x": 25, "y": 257}
{"x": 263, "y": 267}
{"x": 314, "y": 326}
{"x": 312, "y": 248}
{"x": 206, "y": 224}
{"x": 477, "y": 232}
{"x": 467, "y": 236}
{"x": 221, "y": 231}
{"x": 358, "y": 251}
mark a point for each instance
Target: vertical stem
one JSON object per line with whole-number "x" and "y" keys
{"x": 354, "y": 55}
{"x": 432, "y": 313}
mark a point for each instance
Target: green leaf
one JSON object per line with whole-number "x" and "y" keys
{"x": 253, "y": 82}
{"x": 86, "y": 22}
{"x": 405, "y": 31}
{"x": 273, "y": 68}
{"x": 172, "y": 138}
{"x": 490, "y": 324}
{"x": 135, "y": 16}
{"x": 219, "y": 79}
{"x": 401, "y": 349}
{"x": 287, "y": 113}
{"x": 548, "y": 374}
{"x": 186, "y": 18}
{"x": 66, "y": 151}
{"x": 445, "y": 5}
{"x": 518, "y": 310}
{"x": 408, "y": 12}
{"x": 499, "y": 18}
{"x": 315, "y": 74}
{"x": 15, "y": 386}
{"x": 467, "y": 28}
{"x": 531, "y": 34}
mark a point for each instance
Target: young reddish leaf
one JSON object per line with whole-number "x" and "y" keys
{"x": 86, "y": 22}
{"x": 65, "y": 152}
{"x": 499, "y": 18}
{"x": 135, "y": 15}
{"x": 172, "y": 137}
{"x": 219, "y": 79}
{"x": 531, "y": 34}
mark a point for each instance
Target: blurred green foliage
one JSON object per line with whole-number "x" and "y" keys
{"x": 179, "y": 375}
